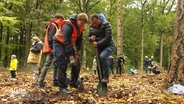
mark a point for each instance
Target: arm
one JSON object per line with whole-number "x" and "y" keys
{"x": 79, "y": 42}
{"x": 108, "y": 34}
{"x": 37, "y": 48}
{"x": 51, "y": 32}
{"x": 67, "y": 34}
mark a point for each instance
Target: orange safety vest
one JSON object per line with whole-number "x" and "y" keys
{"x": 75, "y": 34}
{"x": 46, "y": 47}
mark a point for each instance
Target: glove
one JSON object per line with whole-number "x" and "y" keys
{"x": 72, "y": 61}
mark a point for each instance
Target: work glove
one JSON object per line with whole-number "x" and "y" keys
{"x": 72, "y": 61}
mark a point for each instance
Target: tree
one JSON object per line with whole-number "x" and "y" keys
{"x": 143, "y": 3}
{"x": 176, "y": 68}
{"x": 120, "y": 28}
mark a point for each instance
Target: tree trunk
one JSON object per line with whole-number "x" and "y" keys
{"x": 142, "y": 33}
{"x": 84, "y": 56}
{"x": 1, "y": 32}
{"x": 120, "y": 28}
{"x": 5, "y": 60}
{"x": 161, "y": 49}
{"x": 176, "y": 68}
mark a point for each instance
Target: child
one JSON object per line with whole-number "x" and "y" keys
{"x": 13, "y": 67}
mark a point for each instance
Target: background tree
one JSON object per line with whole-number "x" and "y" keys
{"x": 176, "y": 69}
{"x": 120, "y": 28}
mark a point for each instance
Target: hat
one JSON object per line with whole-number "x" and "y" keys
{"x": 102, "y": 17}
{"x": 35, "y": 38}
{"x": 13, "y": 56}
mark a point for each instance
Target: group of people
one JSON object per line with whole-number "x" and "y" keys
{"x": 151, "y": 65}
{"x": 120, "y": 64}
{"x": 62, "y": 45}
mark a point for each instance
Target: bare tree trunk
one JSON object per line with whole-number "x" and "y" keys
{"x": 142, "y": 33}
{"x": 1, "y": 32}
{"x": 120, "y": 28}
{"x": 161, "y": 49}
{"x": 176, "y": 69}
{"x": 84, "y": 55}
{"x": 5, "y": 60}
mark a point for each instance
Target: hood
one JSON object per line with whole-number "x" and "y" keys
{"x": 73, "y": 18}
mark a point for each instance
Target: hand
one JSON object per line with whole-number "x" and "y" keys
{"x": 72, "y": 61}
{"x": 93, "y": 38}
{"x": 77, "y": 54}
{"x": 95, "y": 44}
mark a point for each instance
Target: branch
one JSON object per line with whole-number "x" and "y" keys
{"x": 170, "y": 7}
{"x": 94, "y": 5}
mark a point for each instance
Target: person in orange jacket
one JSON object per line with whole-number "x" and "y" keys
{"x": 67, "y": 46}
{"x": 51, "y": 30}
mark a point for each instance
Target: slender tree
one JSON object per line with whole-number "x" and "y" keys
{"x": 120, "y": 28}
{"x": 176, "y": 69}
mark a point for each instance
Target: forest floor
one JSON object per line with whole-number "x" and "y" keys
{"x": 141, "y": 88}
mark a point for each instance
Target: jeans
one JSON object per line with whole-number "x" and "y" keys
{"x": 146, "y": 69}
{"x": 48, "y": 63}
{"x": 104, "y": 54}
{"x": 13, "y": 74}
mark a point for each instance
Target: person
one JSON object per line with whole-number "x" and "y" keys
{"x": 111, "y": 64}
{"x": 13, "y": 67}
{"x": 67, "y": 46}
{"x": 100, "y": 35}
{"x": 51, "y": 30}
{"x": 94, "y": 65}
{"x": 155, "y": 68}
{"x": 120, "y": 63}
{"x": 132, "y": 71}
{"x": 146, "y": 63}
{"x": 149, "y": 62}
{"x": 34, "y": 57}
{"x": 102, "y": 17}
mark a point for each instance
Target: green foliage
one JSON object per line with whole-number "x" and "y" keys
{"x": 26, "y": 17}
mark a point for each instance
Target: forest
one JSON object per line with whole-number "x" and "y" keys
{"x": 150, "y": 21}
{"x": 140, "y": 28}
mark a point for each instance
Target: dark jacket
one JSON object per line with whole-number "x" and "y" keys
{"x": 51, "y": 32}
{"x": 146, "y": 62}
{"x": 120, "y": 60}
{"x": 67, "y": 36}
{"x": 37, "y": 47}
{"x": 103, "y": 34}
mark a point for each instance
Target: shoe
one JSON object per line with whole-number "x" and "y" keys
{"x": 74, "y": 85}
{"x": 105, "y": 80}
{"x": 64, "y": 90}
{"x": 55, "y": 84}
{"x": 13, "y": 79}
{"x": 41, "y": 84}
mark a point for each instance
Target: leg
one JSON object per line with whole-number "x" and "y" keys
{"x": 120, "y": 70}
{"x": 48, "y": 63}
{"x": 55, "y": 76}
{"x": 111, "y": 67}
{"x": 61, "y": 64}
{"x": 104, "y": 54}
{"x": 75, "y": 75}
{"x": 11, "y": 74}
{"x": 35, "y": 72}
